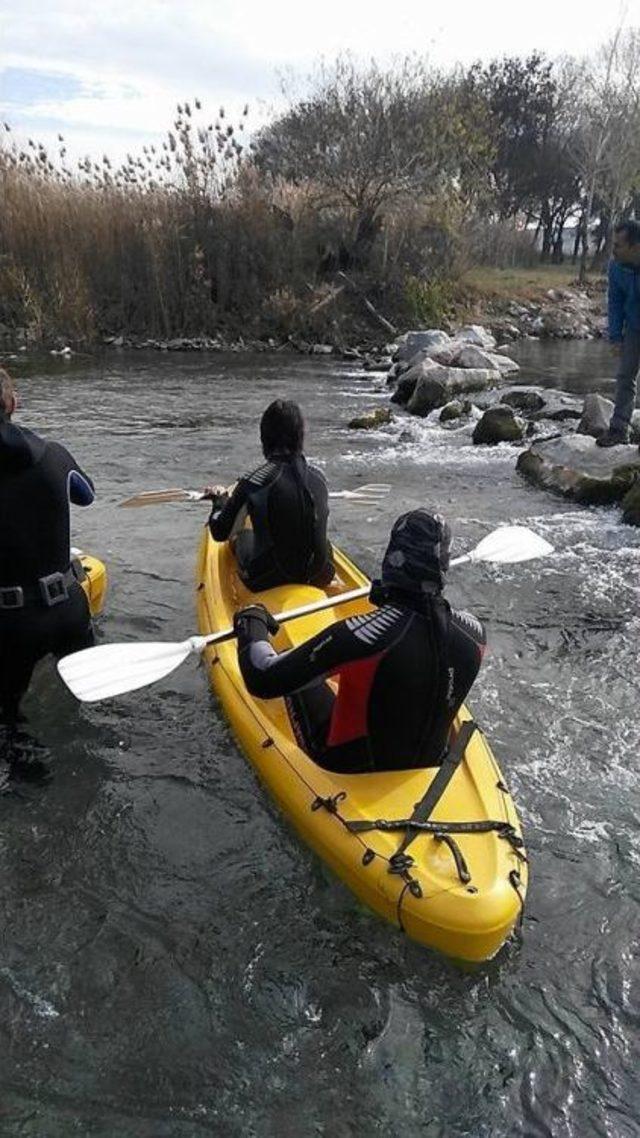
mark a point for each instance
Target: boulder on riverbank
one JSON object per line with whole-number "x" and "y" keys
{"x": 523, "y": 399}
{"x": 498, "y": 425}
{"x": 477, "y": 335}
{"x": 371, "y": 419}
{"x": 419, "y": 341}
{"x": 471, "y": 356}
{"x": 431, "y": 368}
{"x": 576, "y": 468}
{"x": 441, "y": 385}
{"x": 596, "y": 413}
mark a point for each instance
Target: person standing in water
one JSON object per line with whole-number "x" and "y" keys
{"x": 42, "y": 605}
{"x": 624, "y": 328}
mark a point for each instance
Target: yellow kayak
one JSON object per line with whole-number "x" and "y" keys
{"x": 95, "y": 580}
{"x": 460, "y": 893}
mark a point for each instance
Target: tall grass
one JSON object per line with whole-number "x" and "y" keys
{"x": 189, "y": 238}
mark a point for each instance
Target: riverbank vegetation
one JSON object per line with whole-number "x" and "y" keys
{"x": 367, "y": 200}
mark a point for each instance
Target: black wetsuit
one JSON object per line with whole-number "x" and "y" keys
{"x": 288, "y": 504}
{"x": 403, "y": 673}
{"x": 37, "y": 479}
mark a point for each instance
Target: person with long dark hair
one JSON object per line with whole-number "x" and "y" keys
{"x": 287, "y": 503}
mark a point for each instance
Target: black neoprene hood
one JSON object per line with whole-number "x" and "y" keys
{"x": 418, "y": 552}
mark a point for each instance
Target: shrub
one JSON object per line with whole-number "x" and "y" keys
{"x": 430, "y": 302}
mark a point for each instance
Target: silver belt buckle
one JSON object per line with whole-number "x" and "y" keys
{"x": 11, "y": 597}
{"x": 53, "y": 589}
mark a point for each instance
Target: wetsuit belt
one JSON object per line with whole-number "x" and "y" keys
{"x": 48, "y": 591}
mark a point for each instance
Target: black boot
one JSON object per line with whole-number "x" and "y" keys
{"x": 611, "y": 439}
{"x": 26, "y": 758}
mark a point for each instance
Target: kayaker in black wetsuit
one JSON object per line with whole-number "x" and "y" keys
{"x": 42, "y": 606}
{"x": 288, "y": 505}
{"x": 403, "y": 670}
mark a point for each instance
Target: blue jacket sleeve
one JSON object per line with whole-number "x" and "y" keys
{"x": 81, "y": 490}
{"x": 616, "y": 305}
{"x": 79, "y": 486}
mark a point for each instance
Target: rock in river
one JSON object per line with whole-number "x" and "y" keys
{"x": 476, "y": 334}
{"x": 442, "y": 384}
{"x": 523, "y": 399}
{"x": 575, "y": 467}
{"x": 596, "y": 414}
{"x": 498, "y": 425}
{"x": 409, "y": 380}
{"x": 371, "y": 419}
{"x": 472, "y": 356}
{"x": 454, "y": 410}
{"x": 413, "y": 342}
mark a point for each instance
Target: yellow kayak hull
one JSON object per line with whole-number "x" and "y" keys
{"x": 468, "y": 921}
{"x": 95, "y": 581}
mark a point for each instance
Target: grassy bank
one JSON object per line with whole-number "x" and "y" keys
{"x": 490, "y": 283}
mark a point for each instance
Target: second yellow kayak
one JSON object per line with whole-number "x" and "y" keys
{"x": 95, "y": 580}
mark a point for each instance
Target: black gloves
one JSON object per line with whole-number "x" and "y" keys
{"x": 254, "y": 622}
{"x": 218, "y": 501}
{"x": 217, "y": 495}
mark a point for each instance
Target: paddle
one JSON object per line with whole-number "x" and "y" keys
{"x": 112, "y": 669}
{"x": 371, "y": 493}
{"x": 507, "y": 545}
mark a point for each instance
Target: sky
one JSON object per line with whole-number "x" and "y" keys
{"x": 107, "y": 76}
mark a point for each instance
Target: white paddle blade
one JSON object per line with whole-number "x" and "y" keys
{"x": 112, "y": 669}
{"x": 509, "y": 545}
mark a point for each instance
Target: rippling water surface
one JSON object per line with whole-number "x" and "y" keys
{"x": 173, "y": 961}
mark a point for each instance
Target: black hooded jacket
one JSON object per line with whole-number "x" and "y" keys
{"x": 37, "y": 481}
{"x": 404, "y": 670}
{"x": 287, "y": 502}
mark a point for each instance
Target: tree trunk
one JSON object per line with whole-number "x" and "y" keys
{"x": 582, "y": 273}
{"x": 604, "y": 239}
{"x": 576, "y": 243}
{"x": 546, "y": 222}
{"x": 386, "y": 324}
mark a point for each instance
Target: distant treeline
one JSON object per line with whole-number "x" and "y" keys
{"x": 399, "y": 178}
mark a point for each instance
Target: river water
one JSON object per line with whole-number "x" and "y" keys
{"x": 174, "y": 963}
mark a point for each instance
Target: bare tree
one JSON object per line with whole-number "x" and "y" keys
{"x": 621, "y": 164}
{"x": 367, "y": 137}
{"x": 604, "y": 91}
